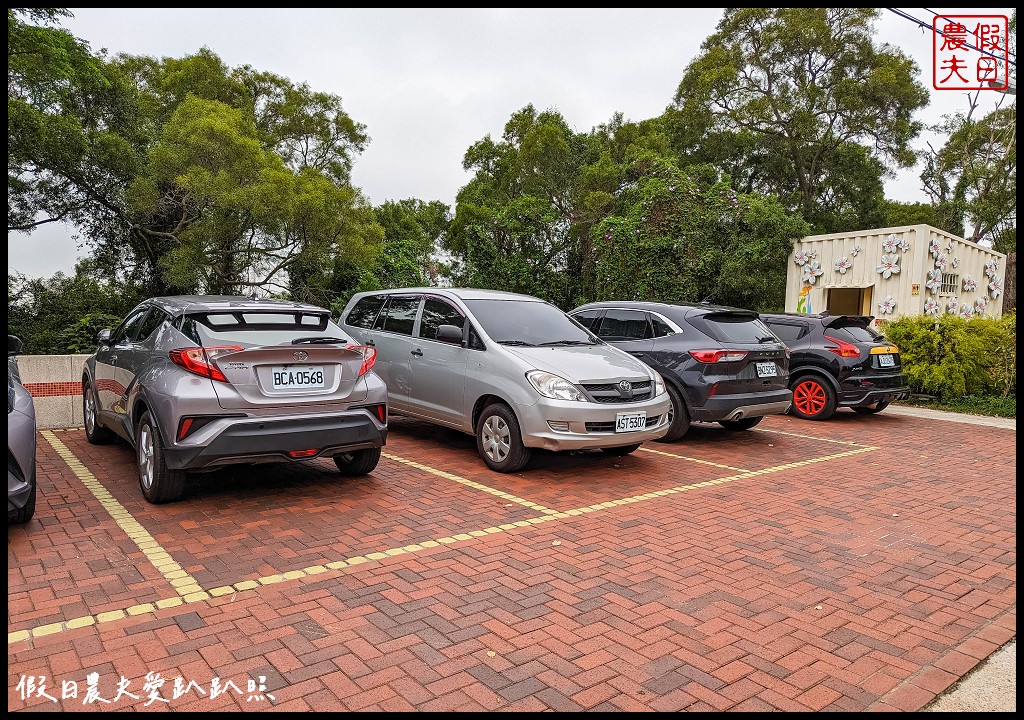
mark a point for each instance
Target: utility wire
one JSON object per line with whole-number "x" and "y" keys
{"x": 939, "y": 32}
{"x": 1008, "y": 51}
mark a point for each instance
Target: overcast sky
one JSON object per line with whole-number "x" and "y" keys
{"x": 428, "y": 83}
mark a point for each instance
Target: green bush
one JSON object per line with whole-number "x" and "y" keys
{"x": 952, "y": 358}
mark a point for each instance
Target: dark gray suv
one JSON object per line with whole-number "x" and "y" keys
{"x": 198, "y": 382}
{"x": 720, "y": 364}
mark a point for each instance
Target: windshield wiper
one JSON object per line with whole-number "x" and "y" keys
{"x": 566, "y": 342}
{"x": 318, "y": 341}
{"x": 767, "y": 339}
{"x": 521, "y": 343}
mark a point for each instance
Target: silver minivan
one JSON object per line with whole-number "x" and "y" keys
{"x": 511, "y": 369}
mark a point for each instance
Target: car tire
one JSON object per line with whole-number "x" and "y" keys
{"x": 679, "y": 422}
{"x": 22, "y": 515}
{"x": 357, "y": 462}
{"x": 871, "y": 409}
{"x": 813, "y": 398}
{"x": 742, "y": 424}
{"x": 499, "y": 439}
{"x": 159, "y": 483}
{"x": 621, "y": 450}
{"x": 95, "y": 433}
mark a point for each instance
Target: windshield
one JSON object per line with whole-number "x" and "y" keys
{"x": 528, "y": 323}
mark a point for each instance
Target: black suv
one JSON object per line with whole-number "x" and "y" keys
{"x": 720, "y": 364}
{"x": 838, "y": 361}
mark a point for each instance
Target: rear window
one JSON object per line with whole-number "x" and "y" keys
{"x": 853, "y": 332}
{"x": 260, "y": 327}
{"x": 734, "y": 328}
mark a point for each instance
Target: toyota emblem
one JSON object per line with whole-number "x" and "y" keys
{"x": 625, "y": 386}
{"x": 300, "y": 355}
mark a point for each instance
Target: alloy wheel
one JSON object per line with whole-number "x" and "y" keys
{"x": 496, "y": 439}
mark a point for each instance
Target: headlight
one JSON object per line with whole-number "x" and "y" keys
{"x": 659, "y": 384}
{"x": 553, "y": 386}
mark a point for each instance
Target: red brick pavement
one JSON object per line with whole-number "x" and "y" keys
{"x": 872, "y": 581}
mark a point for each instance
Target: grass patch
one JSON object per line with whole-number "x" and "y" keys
{"x": 987, "y": 405}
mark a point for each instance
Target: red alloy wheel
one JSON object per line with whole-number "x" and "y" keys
{"x": 809, "y": 397}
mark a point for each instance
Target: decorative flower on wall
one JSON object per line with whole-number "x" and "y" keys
{"x": 842, "y": 265}
{"x": 995, "y": 287}
{"x": 890, "y": 244}
{"x": 887, "y": 305}
{"x": 949, "y": 247}
{"x": 970, "y": 284}
{"x": 889, "y": 265}
{"x": 980, "y": 304}
{"x": 931, "y": 306}
{"x": 933, "y": 247}
{"x": 904, "y": 245}
{"x": 940, "y": 262}
{"x": 966, "y": 311}
{"x": 953, "y": 306}
{"x": 991, "y": 268}
{"x": 811, "y": 272}
{"x": 956, "y": 261}
{"x": 812, "y": 254}
{"x": 855, "y": 251}
{"x": 934, "y": 282}
{"x": 800, "y": 257}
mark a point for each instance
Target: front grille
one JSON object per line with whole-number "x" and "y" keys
{"x": 609, "y": 392}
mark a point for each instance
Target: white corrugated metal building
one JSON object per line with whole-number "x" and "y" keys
{"x": 894, "y": 271}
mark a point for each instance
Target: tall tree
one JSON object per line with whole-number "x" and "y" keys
{"x": 800, "y": 103}
{"x": 687, "y": 235}
{"x": 972, "y": 178}
{"x": 197, "y": 176}
{"x": 517, "y": 222}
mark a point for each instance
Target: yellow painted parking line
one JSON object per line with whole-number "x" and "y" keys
{"x": 695, "y": 460}
{"x": 183, "y": 583}
{"x": 470, "y": 483}
{"x": 351, "y": 562}
{"x": 808, "y": 437}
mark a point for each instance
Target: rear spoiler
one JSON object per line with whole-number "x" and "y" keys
{"x": 831, "y": 320}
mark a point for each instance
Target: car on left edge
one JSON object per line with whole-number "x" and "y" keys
{"x": 194, "y": 383}
{"x": 21, "y": 441}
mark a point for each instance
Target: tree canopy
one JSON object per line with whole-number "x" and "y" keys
{"x": 800, "y": 103}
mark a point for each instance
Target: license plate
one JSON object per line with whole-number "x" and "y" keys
{"x": 766, "y": 369}
{"x": 297, "y": 377}
{"x": 630, "y": 422}
{"x": 886, "y": 361}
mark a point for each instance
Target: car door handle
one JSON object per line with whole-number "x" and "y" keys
{"x": 636, "y": 354}
{"x": 417, "y": 352}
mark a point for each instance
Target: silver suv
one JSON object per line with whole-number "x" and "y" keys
{"x": 198, "y": 382}
{"x": 513, "y": 370}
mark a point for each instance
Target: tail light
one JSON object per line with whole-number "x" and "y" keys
{"x": 716, "y": 356}
{"x": 369, "y": 357}
{"x": 843, "y": 349}
{"x": 200, "y": 360}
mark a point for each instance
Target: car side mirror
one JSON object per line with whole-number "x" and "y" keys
{"x": 103, "y": 336}
{"x": 450, "y": 334}
{"x": 14, "y": 345}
